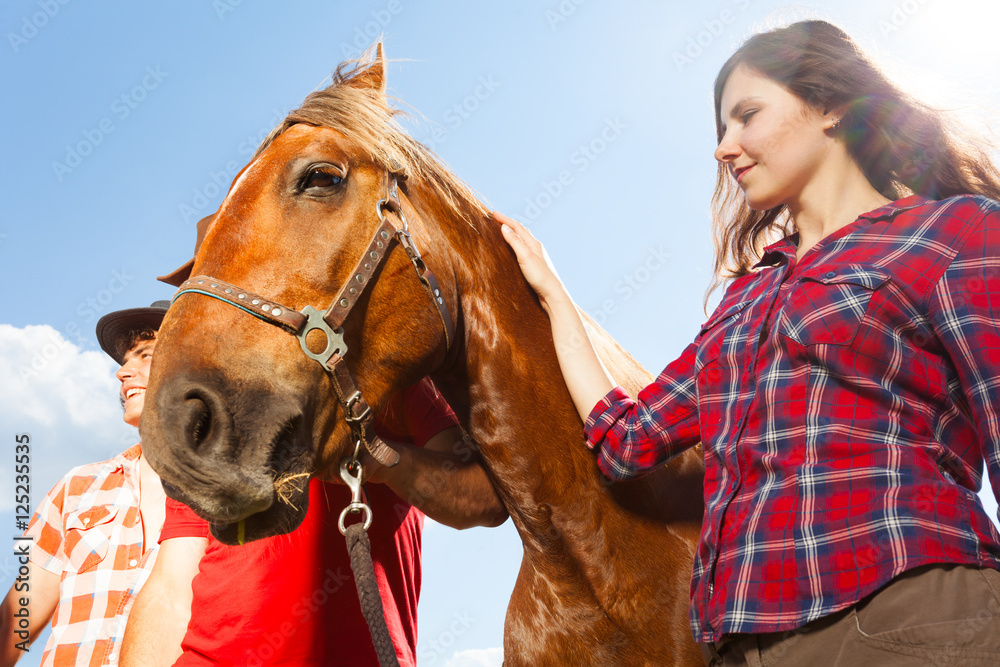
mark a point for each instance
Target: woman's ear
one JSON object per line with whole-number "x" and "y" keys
{"x": 833, "y": 116}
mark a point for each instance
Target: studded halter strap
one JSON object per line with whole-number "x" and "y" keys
{"x": 357, "y": 413}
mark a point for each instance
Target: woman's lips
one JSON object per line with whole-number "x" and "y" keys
{"x": 741, "y": 172}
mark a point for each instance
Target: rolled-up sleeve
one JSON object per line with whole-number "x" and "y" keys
{"x": 632, "y": 437}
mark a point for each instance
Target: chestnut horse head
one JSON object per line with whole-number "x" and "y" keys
{"x": 241, "y": 416}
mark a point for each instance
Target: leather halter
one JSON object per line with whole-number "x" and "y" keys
{"x": 357, "y": 413}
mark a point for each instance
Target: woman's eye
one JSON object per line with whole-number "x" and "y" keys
{"x": 746, "y": 115}
{"x": 318, "y": 178}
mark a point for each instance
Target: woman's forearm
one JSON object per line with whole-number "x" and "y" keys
{"x": 586, "y": 377}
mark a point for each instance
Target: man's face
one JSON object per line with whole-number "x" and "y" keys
{"x": 134, "y": 374}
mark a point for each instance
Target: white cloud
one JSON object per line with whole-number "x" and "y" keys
{"x": 477, "y": 657}
{"x": 65, "y": 398}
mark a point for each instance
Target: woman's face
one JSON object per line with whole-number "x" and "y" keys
{"x": 773, "y": 142}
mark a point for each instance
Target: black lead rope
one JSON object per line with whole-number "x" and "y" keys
{"x": 371, "y": 601}
{"x": 360, "y": 550}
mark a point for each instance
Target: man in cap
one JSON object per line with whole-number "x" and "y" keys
{"x": 94, "y": 535}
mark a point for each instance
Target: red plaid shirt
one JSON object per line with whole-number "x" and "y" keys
{"x": 88, "y": 531}
{"x": 846, "y": 403}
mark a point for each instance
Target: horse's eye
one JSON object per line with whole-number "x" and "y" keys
{"x": 319, "y": 178}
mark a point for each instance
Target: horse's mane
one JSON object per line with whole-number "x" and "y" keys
{"x": 361, "y": 113}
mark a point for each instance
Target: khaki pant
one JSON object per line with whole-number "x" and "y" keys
{"x": 935, "y": 615}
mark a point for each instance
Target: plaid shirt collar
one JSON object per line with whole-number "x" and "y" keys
{"x": 784, "y": 249}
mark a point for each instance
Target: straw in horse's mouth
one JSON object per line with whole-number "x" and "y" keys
{"x": 287, "y": 486}
{"x": 284, "y": 456}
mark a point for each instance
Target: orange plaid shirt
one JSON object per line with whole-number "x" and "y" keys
{"x": 88, "y": 531}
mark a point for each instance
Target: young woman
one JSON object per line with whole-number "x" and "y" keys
{"x": 847, "y": 388}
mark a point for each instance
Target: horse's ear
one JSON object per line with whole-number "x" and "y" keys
{"x": 373, "y": 76}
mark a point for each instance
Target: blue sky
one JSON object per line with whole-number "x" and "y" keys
{"x": 589, "y": 120}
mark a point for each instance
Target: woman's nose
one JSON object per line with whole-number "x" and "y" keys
{"x": 728, "y": 149}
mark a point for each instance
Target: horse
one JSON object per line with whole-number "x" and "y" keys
{"x": 241, "y": 417}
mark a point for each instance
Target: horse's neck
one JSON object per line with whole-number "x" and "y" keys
{"x": 519, "y": 409}
{"x": 596, "y": 568}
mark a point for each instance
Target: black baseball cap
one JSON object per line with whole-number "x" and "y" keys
{"x": 115, "y": 328}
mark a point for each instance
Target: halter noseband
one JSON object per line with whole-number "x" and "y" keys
{"x": 357, "y": 413}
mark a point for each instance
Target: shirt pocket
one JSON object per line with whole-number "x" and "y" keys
{"x": 88, "y": 536}
{"x": 828, "y": 307}
{"x": 721, "y": 334}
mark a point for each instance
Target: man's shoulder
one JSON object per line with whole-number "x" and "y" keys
{"x": 81, "y": 478}
{"x": 102, "y": 468}
{"x": 80, "y": 493}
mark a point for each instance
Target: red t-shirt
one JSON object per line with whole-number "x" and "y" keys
{"x": 291, "y": 599}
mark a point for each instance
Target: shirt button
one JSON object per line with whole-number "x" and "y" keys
{"x": 86, "y": 519}
{"x": 831, "y": 274}
{"x": 133, "y": 563}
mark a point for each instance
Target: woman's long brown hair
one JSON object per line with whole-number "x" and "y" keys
{"x": 902, "y": 145}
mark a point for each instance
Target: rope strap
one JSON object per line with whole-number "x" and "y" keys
{"x": 371, "y": 602}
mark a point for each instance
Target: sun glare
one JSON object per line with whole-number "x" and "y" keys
{"x": 946, "y": 55}
{"x": 950, "y": 44}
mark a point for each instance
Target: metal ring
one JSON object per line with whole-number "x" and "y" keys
{"x": 354, "y": 508}
{"x": 399, "y": 210}
{"x": 334, "y": 337}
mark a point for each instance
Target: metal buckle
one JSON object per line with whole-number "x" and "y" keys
{"x": 406, "y": 242}
{"x": 334, "y": 339}
{"x": 349, "y": 409}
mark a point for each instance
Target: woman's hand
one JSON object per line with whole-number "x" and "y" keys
{"x": 533, "y": 260}
{"x": 586, "y": 378}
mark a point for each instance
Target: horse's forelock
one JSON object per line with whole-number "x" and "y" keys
{"x": 364, "y": 116}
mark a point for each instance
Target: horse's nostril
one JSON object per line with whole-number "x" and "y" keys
{"x": 202, "y": 425}
{"x": 198, "y": 420}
